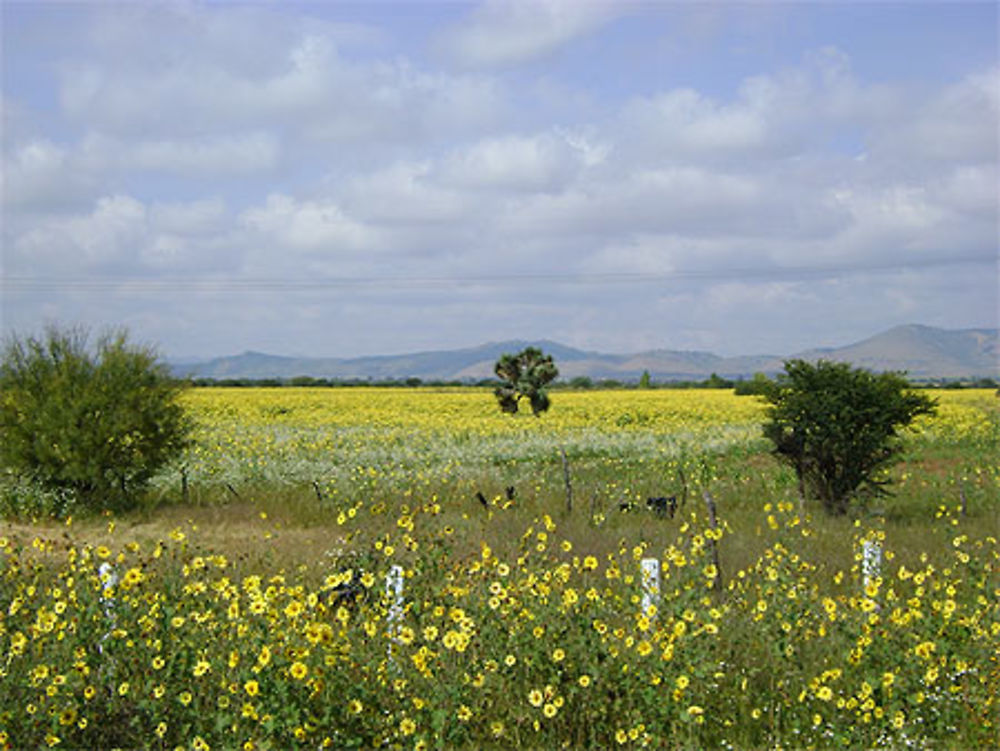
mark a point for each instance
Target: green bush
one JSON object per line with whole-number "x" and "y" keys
{"x": 837, "y": 427}
{"x": 759, "y": 385}
{"x": 97, "y": 425}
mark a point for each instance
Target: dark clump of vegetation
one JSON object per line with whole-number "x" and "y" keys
{"x": 88, "y": 427}
{"x": 411, "y": 382}
{"x": 759, "y": 385}
{"x": 525, "y": 376}
{"x": 837, "y": 427}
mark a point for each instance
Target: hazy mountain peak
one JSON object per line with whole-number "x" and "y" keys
{"x": 923, "y": 352}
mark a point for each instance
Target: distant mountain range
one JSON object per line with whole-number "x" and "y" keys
{"x": 923, "y": 352}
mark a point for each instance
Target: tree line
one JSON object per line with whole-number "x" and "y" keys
{"x": 753, "y": 386}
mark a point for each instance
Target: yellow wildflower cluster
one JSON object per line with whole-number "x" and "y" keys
{"x": 512, "y": 645}
{"x": 435, "y": 622}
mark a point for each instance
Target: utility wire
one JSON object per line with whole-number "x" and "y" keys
{"x": 36, "y": 282}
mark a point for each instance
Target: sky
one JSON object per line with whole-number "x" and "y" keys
{"x": 355, "y": 178}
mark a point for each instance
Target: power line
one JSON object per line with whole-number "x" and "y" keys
{"x": 250, "y": 284}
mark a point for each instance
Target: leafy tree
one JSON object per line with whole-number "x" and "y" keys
{"x": 837, "y": 427}
{"x": 759, "y": 385}
{"x": 524, "y": 375}
{"x": 645, "y": 380}
{"x": 98, "y": 424}
{"x": 715, "y": 381}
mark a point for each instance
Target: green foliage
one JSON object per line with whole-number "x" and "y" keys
{"x": 759, "y": 385}
{"x": 610, "y": 384}
{"x": 715, "y": 381}
{"x": 645, "y": 381}
{"x": 525, "y": 375}
{"x": 837, "y": 427}
{"x": 97, "y": 426}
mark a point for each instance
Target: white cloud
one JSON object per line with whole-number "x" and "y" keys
{"x": 308, "y": 90}
{"x": 516, "y": 163}
{"x": 319, "y": 227}
{"x": 249, "y": 142}
{"x": 204, "y": 217}
{"x": 187, "y": 60}
{"x": 973, "y": 190}
{"x": 404, "y": 193}
{"x": 895, "y": 208}
{"x": 207, "y": 157}
{"x": 817, "y": 107}
{"x": 32, "y": 172}
{"x": 121, "y": 236}
{"x": 108, "y": 237}
{"x": 959, "y": 122}
{"x": 111, "y": 233}
{"x": 591, "y": 150}
{"x": 907, "y": 223}
{"x": 40, "y": 174}
{"x": 509, "y": 32}
{"x": 219, "y": 155}
{"x": 728, "y": 298}
{"x": 682, "y": 124}
{"x": 676, "y": 199}
{"x": 657, "y": 255}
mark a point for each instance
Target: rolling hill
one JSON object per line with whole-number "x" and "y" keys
{"x": 923, "y": 352}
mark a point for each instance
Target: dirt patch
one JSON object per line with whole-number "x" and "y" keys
{"x": 239, "y": 531}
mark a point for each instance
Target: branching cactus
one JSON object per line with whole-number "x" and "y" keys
{"x": 525, "y": 375}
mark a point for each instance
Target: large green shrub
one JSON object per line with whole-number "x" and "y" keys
{"x": 837, "y": 427}
{"x": 96, "y": 424}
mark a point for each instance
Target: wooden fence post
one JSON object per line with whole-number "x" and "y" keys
{"x": 569, "y": 486}
{"x": 710, "y": 503}
{"x": 684, "y": 485}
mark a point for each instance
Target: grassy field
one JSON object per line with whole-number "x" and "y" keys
{"x": 223, "y": 619}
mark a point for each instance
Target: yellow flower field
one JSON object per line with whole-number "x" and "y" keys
{"x": 547, "y": 647}
{"x": 431, "y": 621}
{"x": 345, "y": 438}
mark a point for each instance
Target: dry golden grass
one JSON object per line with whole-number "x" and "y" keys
{"x": 241, "y": 531}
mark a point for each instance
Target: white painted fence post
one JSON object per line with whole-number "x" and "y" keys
{"x": 109, "y": 578}
{"x": 871, "y": 561}
{"x": 650, "y": 584}
{"x": 394, "y": 591}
